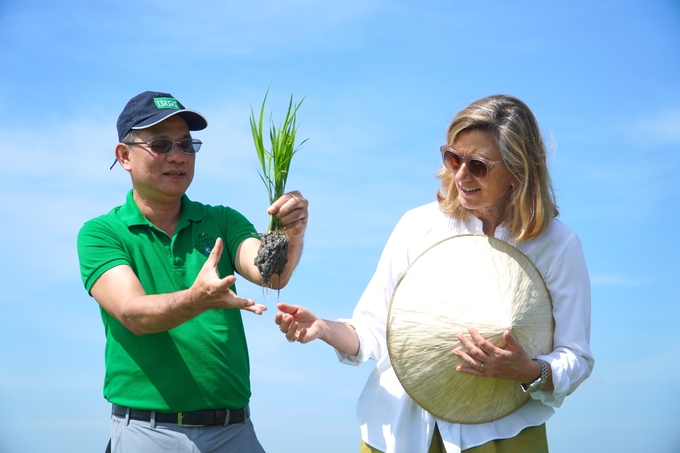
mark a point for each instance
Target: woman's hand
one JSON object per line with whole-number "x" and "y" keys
{"x": 485, "y": 359}
{"x": 298, "y": 323}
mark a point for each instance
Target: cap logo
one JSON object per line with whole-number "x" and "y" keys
{"x": 166, "y": 103}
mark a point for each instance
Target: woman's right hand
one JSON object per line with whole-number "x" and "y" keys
{"x": 298, "y": 323}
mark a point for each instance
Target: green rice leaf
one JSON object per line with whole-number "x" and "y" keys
{"x": 275, "y": 162}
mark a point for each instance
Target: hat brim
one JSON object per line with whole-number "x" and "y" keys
{"x": 462, "y": 282}
{"x": 195, "y": 120}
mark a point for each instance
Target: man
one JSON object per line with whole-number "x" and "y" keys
{"x": 162, "y": 269}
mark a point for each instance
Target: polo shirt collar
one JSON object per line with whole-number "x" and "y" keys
{"x": 131, "y": 215}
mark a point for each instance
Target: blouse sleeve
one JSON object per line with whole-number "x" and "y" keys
{"x": 571, "y": 359}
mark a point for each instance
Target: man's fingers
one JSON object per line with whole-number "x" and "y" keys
{"x": 246, "y": 304}
{"x": 287, "y": 203}
{"x": 258, "y": 309}
{"x": 295, "y": 227}
{"x": 283, "y": 199}
{"x": 228, "y": 281}
{"x": 292, "y": 210}
{"x": 276, "y": 206}
{"x": 216, "y": 253}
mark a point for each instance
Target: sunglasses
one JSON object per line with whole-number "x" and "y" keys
{"x": 165, "y": 145}
{"x": 477, "y": 166}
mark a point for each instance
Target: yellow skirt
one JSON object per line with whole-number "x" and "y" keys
{"x": 529, "y": 440}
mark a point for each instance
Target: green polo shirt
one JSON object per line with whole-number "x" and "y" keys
{"x": 201, "y": 364}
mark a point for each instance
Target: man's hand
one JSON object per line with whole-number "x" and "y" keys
{"x": 291, "y": 209}
{"x": 212, "y": 291}
{"x": 120, "y": 293}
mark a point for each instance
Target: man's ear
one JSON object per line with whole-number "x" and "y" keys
{"x": 123, "y": 155}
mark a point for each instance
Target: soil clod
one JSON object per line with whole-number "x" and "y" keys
{"x": 272, "y": 256}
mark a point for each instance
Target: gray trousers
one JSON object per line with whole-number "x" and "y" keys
{"x": 134, "y": 436}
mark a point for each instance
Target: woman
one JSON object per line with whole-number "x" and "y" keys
{"x": 495, "y": 182}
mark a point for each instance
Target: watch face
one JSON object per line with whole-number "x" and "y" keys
{"x": 535, "y": 386}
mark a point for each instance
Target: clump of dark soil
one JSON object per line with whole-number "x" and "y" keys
{"x": 272, "y": 255}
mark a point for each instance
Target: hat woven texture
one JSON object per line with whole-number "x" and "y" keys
{"x": 465, "y": 281}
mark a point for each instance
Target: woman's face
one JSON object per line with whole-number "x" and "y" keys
{"x": 487, "y": 198}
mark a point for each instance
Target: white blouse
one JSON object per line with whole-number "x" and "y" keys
{"x": 390, "y": 420}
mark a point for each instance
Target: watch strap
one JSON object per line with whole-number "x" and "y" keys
{"x": 540, "y": 381}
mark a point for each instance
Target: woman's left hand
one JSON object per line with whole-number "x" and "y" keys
{"x": 485, "y": 359}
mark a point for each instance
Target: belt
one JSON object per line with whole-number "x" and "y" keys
{"x": 215, "y": 417}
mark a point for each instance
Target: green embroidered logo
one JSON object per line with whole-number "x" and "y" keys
{"x": 204, "y": 244}
{"x": 166, "y": 103}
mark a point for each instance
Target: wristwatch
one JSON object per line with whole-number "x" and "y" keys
{"x": 540, "y": 381}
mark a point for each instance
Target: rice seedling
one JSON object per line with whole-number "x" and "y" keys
{"x": 272, "y": 256}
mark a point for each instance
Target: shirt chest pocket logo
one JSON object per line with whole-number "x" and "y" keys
{"x": 205, "y": 243}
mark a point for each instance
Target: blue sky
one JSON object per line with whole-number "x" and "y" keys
{"x": 383, "y": 80}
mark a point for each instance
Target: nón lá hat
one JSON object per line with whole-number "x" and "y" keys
{"x": 465, "y": 281}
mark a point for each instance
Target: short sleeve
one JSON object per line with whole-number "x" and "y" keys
{"x": 99, "y": 249}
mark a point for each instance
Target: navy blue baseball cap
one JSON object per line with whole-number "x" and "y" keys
{"x": 152, "y": 107}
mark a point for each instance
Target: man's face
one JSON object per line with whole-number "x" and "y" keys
{"x": 161, "y": 178}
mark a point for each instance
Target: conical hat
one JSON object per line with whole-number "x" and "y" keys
{"x": 461, "y": 282}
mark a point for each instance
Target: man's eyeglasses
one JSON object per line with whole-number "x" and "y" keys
{"x": 165, "y": 145}
{"x": 477, "y": 166}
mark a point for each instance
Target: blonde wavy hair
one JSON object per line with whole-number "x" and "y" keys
{"x": 532, "y": 204}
